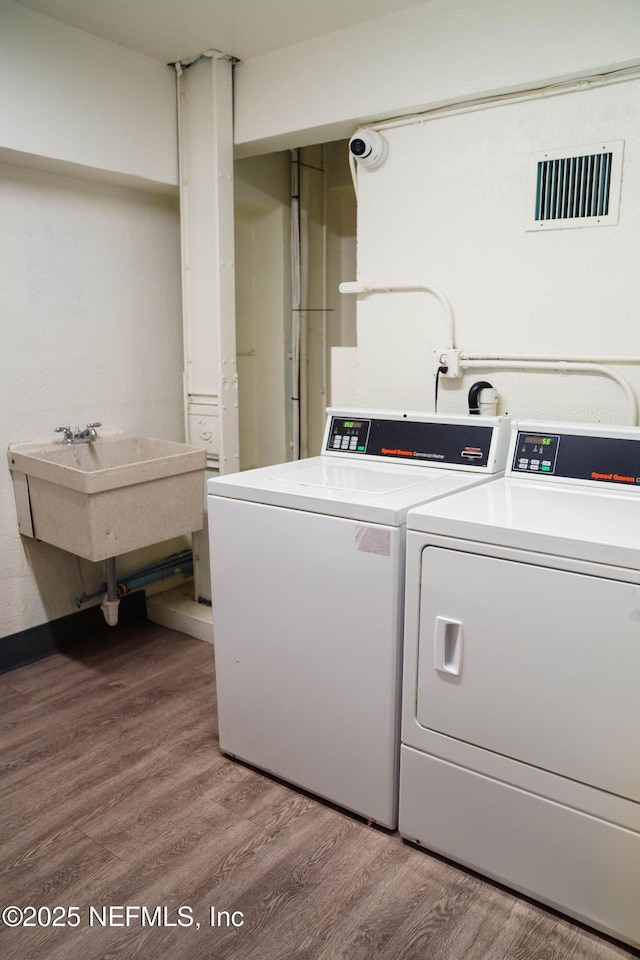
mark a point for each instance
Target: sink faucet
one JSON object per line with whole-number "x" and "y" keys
{"x": 88, "y": 435}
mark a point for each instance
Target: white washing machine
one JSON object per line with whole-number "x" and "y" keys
{"x": 307, "y": 575}
{"x": 520, "y": 751}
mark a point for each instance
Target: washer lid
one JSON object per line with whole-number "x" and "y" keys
{"x": 597, "y": 523}
{"x": 370, "y": 492}
{"x": 353, "y": 477}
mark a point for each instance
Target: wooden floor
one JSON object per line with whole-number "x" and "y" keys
{"x": 113, "y": 793}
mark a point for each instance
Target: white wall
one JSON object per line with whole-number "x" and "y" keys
{"x": 263, "y": 307}
{"x": 90, "y": 300}
{"x": 91, "y": 330}
{"x": 330, "y": 218}
{"x": 449, "y": 208}
{"x": 441, "y": 52}
{"x": 68, "y": 96}
{"x": 436, "y": 214}
{"x": 263, "y": 293}
{"x": 341, "y": 265}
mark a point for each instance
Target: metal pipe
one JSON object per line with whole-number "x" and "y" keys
{"x": 561, "y": 366}
{"x": 514, "y": 96}
{"x": 112, "y": 582}
{"x": 115, "y": 587}
{"x": 295, "y": 303}
{"x": 111, "y": 603}
{"x": 357, "y": 286}
{"x": 78, "y": 601}
{"x": 176, "y": 563}
{"x": 552, "y": 357}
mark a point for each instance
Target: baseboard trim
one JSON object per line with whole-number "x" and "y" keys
{"x": 25, "y": 647}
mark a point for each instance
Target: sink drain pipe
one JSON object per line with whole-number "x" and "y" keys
{"x": 110, "y": 604}
{"x": 115, "y": 588}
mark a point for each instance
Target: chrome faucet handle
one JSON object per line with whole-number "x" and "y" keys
{"x": 94, "y": 424}
{"x": 68, "y": 433}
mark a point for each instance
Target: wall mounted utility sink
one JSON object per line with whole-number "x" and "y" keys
{"x": 101, "y": 499}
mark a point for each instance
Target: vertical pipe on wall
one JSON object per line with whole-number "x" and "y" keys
{"x": 296, "y": 300}
{"x": 304, "y": 305}
{"x": 309, "y": 325}
{"x": 205, "y": 141}
{"x": 325, "y": 337}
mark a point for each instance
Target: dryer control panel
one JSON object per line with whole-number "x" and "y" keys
{"x": 536, "y": 453}
{"x": 476, "y": 443}
{"x": 589, "y": 456}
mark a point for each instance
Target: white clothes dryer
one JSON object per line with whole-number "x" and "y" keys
{"x": 307, "y": 571}
{"x": 520, "y": 751}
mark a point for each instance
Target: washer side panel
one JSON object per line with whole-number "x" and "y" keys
{"x": 307, "y": 630}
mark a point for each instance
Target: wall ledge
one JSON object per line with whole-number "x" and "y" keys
{"x": 79, "y": 171}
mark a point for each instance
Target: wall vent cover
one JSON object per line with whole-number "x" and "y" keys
{"x": 576, "y": 187}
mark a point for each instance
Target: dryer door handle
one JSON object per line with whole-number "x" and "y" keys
{"x": 447, "y": 646}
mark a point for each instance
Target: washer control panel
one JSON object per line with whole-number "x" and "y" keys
{"x": 574, "y": 456}
{"x": 437, "y": 441}
{"x": 350, "y": 435}
{"x": 536, "y": 453}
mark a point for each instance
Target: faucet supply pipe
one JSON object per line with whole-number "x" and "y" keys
{"x": 175, "y": 563}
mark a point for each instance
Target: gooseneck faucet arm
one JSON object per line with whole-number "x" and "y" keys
{"x": 88, "y": 435}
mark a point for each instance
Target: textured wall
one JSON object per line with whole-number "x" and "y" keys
{"x": 449, "y": 209}
{"x": 91, "y": 330}
{"x": 71, "y": 97}
{"x": 441, "y": 52}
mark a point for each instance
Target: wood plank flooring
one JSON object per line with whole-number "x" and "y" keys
{"x": 113, "y": 792}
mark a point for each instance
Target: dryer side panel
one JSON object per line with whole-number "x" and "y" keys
{"x": 537, "y": 664}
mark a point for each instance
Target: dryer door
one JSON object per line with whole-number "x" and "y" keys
{"x": 537, "y": 664}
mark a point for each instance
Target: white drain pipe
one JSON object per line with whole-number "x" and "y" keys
{"x": 110, "y": 603}
{"x": 556, "y": 366}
